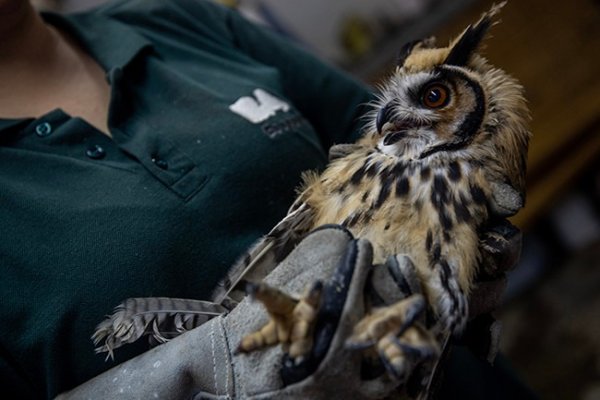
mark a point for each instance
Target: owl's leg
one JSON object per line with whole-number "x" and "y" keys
{"x": 396, "y": 330}
{"x": 291, "y": 322}
{"x": 400, "y": 340}
{"x": 448, "y": 298}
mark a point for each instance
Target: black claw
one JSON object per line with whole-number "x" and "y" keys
{"x": 390, "y": 368}
{"x": 412, "y": 314}
{"x": 359, "y": 346}
{"x": 333, "y": 299}
{"x": 394, "y": 268}
{"x": 415, "y": 352}
{"x": 316, "y": 289}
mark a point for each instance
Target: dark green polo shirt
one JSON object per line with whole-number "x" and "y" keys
{"x": 212, "y": 119}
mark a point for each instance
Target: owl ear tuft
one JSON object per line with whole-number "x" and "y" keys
{"x": 469, "y": 41}
{"x": 409, "y": 47}
{"x": 405, "y": 52}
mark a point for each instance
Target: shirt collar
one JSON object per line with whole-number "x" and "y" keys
{"x": 111, "y": 43}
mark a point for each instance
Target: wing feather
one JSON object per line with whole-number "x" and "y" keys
{"x": 264, "y": 256}
{"x": 160, "y": 317}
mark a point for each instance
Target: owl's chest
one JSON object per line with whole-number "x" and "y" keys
{"x": 396, "y": 204}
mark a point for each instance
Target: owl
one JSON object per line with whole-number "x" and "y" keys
{"x": 444, "y": 148}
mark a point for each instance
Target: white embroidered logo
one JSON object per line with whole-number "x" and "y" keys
{"x": 258, "y": 108}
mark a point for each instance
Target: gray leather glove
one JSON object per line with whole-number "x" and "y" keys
{"x": 203, "y": 364}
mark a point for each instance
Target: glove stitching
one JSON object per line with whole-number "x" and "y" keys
{"x": 225, "y": 346}
{"x": 212, "y": 345}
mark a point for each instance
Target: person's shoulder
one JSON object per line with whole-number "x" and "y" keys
{"x": 156, "y": 7}
{"x": 194, "y": 16}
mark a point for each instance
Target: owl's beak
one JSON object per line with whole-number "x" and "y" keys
{"x": 384, "y": 115}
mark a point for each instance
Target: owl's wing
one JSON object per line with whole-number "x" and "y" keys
{"x": 164, "y": 318}
{"x": 264, "y": 256}
{"x": 160, "y": 318}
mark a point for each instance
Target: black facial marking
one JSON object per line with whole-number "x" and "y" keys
{"x": 454, "y": 172}
{"x": 468, "y": 43}
{"x": 402, "y": 186}
{"x": 364, "y": 197}
{"x": 472, "y": 122}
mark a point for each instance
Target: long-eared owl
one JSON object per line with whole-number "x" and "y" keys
{"x": 444, "y": 147}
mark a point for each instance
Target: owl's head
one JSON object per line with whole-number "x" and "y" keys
{"x": 448, "y": 103}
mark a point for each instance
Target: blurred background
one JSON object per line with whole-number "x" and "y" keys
{"x": 551, "y": 312}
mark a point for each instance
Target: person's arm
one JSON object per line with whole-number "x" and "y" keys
{"x": 204, "y": 364}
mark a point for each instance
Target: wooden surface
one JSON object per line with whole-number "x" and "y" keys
{"x": 553, "y": 48}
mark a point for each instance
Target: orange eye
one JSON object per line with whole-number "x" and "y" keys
{"x": 435, "y": 96}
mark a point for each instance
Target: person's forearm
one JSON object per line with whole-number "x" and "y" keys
{"x": 165, "y": 372}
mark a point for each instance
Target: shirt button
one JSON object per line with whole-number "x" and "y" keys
{"x": 43, "y": 129}
{"x": 162, "y": 164}
{"x": 95, "y": 152}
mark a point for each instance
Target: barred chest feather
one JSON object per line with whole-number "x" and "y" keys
{"x": 429, "y": 209}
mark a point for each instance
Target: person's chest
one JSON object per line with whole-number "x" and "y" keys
{"x": 67, "y": 79}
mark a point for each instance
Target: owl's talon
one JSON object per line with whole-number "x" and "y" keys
{"x": 397, "y": 370}
{"x": 395, "y": 318}
{"x": 417, "y": 352}
{"x": 413, "y": 311}
{"x": 291, "y": 321}
{"x": 350, "y": 345}
{"x": 400, "y": 340}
